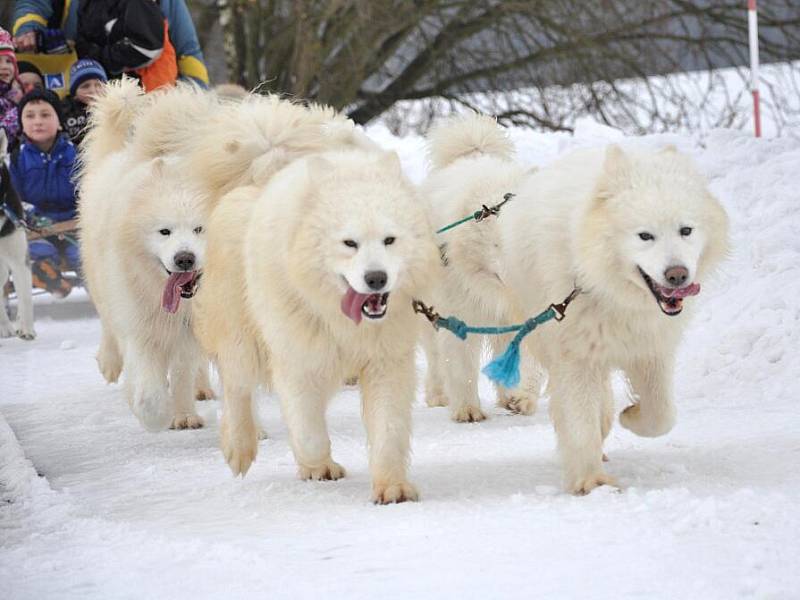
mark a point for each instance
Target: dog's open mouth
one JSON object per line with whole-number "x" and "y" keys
{"x": 670, "y": 300}
{"x": 355, "y": 305}
{"x": 181, "y": 284}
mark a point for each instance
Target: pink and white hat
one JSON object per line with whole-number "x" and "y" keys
{"x": 7, "y": 49}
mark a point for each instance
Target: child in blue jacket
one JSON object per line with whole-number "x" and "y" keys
{"x": 42, "y": 171}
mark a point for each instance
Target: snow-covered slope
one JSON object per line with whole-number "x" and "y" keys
{"x": 94, "y": 507}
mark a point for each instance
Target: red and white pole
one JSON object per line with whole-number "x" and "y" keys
{"x": 752, "y": 21}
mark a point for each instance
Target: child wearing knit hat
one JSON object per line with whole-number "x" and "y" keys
{"x": 43, "y": 175}
{"x": 29, "y": 76}
{"x": 86, "y": 80}
{"x": 10, "y": 87}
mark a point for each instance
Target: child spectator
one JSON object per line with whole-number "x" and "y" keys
{"x": 86, "y": 81}
{"x": 42, "y": 170}
{"x": 29, "y": 76}
{"x": 10, "y": 87}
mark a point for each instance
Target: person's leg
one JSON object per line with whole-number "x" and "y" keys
{"x": 44, "y": 267}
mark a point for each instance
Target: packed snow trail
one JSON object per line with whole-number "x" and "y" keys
{"x": 93, "y": 506}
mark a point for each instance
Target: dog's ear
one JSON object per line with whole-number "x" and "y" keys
{"x": 615, "y": 173}
{"x": 391, "y": 162}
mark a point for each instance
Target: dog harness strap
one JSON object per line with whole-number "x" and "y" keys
{"x": 503, "y": 370}
{"x": 479, "y": 215}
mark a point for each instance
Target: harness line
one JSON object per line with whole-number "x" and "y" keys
{"x": 503, "y": 370}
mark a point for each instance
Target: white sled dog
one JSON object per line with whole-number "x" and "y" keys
{"x": 14, "y": 259}
{"x": 309, "y": 280}
{"x": 636, "y": 231}
{"x": 142, "y": 241}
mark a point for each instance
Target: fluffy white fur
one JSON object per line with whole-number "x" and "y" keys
{"x": 578, "y": 221}
{"x": 127, "y": 206}
{"x": 269, "y": 307}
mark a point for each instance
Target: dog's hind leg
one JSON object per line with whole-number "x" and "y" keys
{"x": 434, "y": 384}
{"x": 109, "y": 359}
{"x": 577, "y": 395}
{"x": 459, "y": 359}
{"x": 183, "y": 373}
{"x": 202, "y": 383}
{"x": 524, "y": 398}
{"x": 6, "y": 327}
{"x": 653, "y": 411}
{"x": 387, "y": 389}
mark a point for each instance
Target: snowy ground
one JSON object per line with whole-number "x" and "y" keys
{"x": 92, "y": 506}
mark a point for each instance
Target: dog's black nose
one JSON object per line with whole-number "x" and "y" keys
{"x": 376, "y": 279}
{"x": 184, "y": 261}
{"x": 677, "y": 275}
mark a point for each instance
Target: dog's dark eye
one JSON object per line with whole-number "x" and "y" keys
{"x": 645, "y": 236}
{"x": 388, "y": 241}
{"x": 350, "y": 243}
{"x": 164, "y": 231}
{"x": 198, "y": 230}
{"x": 686, "y": 231}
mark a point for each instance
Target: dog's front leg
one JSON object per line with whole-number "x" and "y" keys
{"x": 146, "y": 381}
{"x": 387, "y": 389}
{"x": 304, "y": 392}
{"x": 653, "y": 411}
{"x": 578, "y": 392}
{"x": 23, "y": 284}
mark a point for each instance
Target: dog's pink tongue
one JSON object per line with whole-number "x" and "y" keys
{"x": 171, "y": 297}
{"x": 690, "y": 290}
{"x": 351, "y": 304}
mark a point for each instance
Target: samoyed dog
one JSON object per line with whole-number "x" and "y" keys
{"x": 635, "y": 232}
{"x": 142, "y": 224}
{"x": 309, "y": 279}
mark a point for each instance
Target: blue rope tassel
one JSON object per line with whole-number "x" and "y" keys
{"x": 503, "y": 370}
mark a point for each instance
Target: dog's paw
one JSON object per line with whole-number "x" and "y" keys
{"x": 26, "y": 334}
{"x": 204, "y": 394}
{"x": 329, "y": 471}
{"x": 468, "y": 414}
{"x": 633, "y": 419}
{"x": 110, "y": 367}
{"x": 239, "y": 448}
{"x": 435, "y": 398}
{"x": 7, "y": 330}
{"x": 519, "y": 403}
{"x": 187, "y": 421}
{"x": 585, "y": 484}
{"x": 351, "y": 381}
{"x": 152, "y": 408}
{"x": 393, "y": 493}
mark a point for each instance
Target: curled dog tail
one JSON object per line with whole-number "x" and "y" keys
{"x": 111, "y": 118}
{"x": 463, "y": 136}
{"x": 259, "y": 135}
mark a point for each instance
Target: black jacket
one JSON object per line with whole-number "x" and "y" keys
{"x": 120, "y": 34}
{"x": 75, "y": 118}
